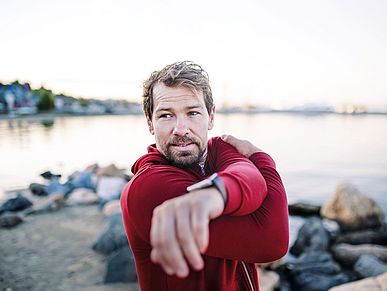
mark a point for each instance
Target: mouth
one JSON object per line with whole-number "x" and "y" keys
{"x": 183, "y": 146}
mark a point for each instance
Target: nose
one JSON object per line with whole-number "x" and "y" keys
{"x": 180, "y": 128}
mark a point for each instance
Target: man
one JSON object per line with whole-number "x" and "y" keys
{"x": 200, "y": 213}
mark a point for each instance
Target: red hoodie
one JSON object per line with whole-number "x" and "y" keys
{"x": 252, "y": 229}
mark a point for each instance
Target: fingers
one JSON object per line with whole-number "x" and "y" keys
{"x": 244, "y": 147}
{"x": 166, "y": 249}
{"x": 179, "y": 233}
{"x": 199, "y": 226}
{"x": 186, "y": 239}
{"x": 232, "y": 140}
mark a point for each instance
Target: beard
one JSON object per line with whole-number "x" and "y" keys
{"x": 184, "y": 159}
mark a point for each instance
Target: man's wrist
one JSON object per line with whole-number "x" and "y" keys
{"x": 214, "y": 180}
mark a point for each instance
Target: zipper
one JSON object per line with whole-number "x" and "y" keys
{"x": 201, "y": 165}
{"x": 248, "y": 276}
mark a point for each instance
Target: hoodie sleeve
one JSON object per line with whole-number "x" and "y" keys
{"x": 261, "y": 236}
{"x": 245, "y": 185}
{"x": 150, "y": 187}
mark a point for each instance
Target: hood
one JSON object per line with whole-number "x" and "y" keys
{"x": 153, "y": 157}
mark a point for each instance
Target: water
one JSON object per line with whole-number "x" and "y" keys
{"x": 313, "y": 153}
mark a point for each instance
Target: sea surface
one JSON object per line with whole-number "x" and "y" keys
{"x": 313, "y": 153}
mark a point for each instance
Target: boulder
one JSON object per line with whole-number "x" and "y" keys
{"x": 113, "y": 238}
{"x": 38, "y": 189}
{"x": 82, "y": 196}
{"x": 55, "y": 186}
{"x": 48, "y": 175}
{"x": 110, "y": 188}
{"x": 51, "y": 203}
{"x": 92, "y": 168}
{"x": 110, "y": 171}
{"x": 312, "y": 236}
{"x": 364, "y": 237}
{"x": 111, "y": 207}
{"x": 347, "y": 254}
{"x": 353, "y": 210}
{"x": 319, "y": 262}
{"x": 8, "y": 220}
{"x": 268, "y": 280}
{"x": 83, "y": 180}
{"x": 369, "y": 266}
{"x": 317, "y": 282}
{"x": 382, "y": 281}
{"x": 121, "y": 267}
{"x": 17, "y": 203}
{"x": 369, "y": 284}
{"x": 304, "y": 209}
{"x": 316, "y": 271}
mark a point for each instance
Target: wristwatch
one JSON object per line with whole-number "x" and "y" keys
{"x": 213, "y": 180}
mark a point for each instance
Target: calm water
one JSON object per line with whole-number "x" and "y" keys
{"x": 313, "y": 153}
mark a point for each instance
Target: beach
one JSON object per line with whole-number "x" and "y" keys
{"x": 52, "y": 251}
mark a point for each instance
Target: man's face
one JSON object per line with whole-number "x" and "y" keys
{"x": 180, "y": 123}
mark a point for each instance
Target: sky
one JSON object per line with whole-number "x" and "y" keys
{"x": 256, "y": 52}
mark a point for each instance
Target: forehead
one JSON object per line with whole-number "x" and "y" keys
{"x": 175, "y": 96}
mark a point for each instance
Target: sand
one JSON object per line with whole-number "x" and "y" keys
{"x": 52, "y": 251}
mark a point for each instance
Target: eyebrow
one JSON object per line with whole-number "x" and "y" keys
{"x": 170, "y": 109}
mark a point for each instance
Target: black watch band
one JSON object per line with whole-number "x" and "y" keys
{"x": 213, "y": 180}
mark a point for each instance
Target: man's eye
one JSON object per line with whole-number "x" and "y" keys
{"x": 193, "y": 113}
{"x": 165, "y": 115}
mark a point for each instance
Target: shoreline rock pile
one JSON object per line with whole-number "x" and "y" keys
{"x": 340, "y": 243}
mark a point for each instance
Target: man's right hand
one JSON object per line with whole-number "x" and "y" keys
{"x": 179, "y": 230}
{"x": 244, "y": 147}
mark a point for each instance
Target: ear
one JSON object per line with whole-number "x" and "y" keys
{"x": 211, "y": 118}
{"x": 150, "y": 126}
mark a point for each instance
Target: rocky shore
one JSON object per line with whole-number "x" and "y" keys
{"x": 68, "y": 235}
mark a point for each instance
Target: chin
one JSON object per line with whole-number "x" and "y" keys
{"x": 184, "y": 160}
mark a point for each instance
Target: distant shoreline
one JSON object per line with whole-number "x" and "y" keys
{"x": 52, "y": 115}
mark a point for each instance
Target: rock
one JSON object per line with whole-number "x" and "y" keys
{"x": 304, "y": 209}
{"x": 121, "y": 267}
{"x": 82, "y": 196}
{"x": 51, "y": 203}
{"x": 312, "y": 236}
{"x": 9, "y": 220}
{"x": 113, "y": 238}
{"x": 268, "y": 280}
{"x": 110, "y": 188}
{"x": 382, "y": 281}
{"x": 110, "y": 171}
{"x": 353, "y": 210}
{"x": 38, "y": 189}
{"x": 369, "y": 266}
{"x": 332, "y": 227}
{"x": 317, "y": 282}
{"x": 111, "y": 207}
{"x": 316, "y": 270}
{"x": 48, "y": 175}
{"x": 370, "y": 284}
{"x": 15, "y": 204}
{"x": 319, "y": 262}
{"x": 347, "y": 254}
{"x": 55, "y": 186}
{"x": 83, "y": 180}
{"x": 364, "y": 237}
{"x": 92, "y": 168}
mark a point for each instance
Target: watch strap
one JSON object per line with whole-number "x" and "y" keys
{"x": 214, "y": 180}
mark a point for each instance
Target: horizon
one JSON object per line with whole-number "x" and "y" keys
{"x": 275, "y": 53}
